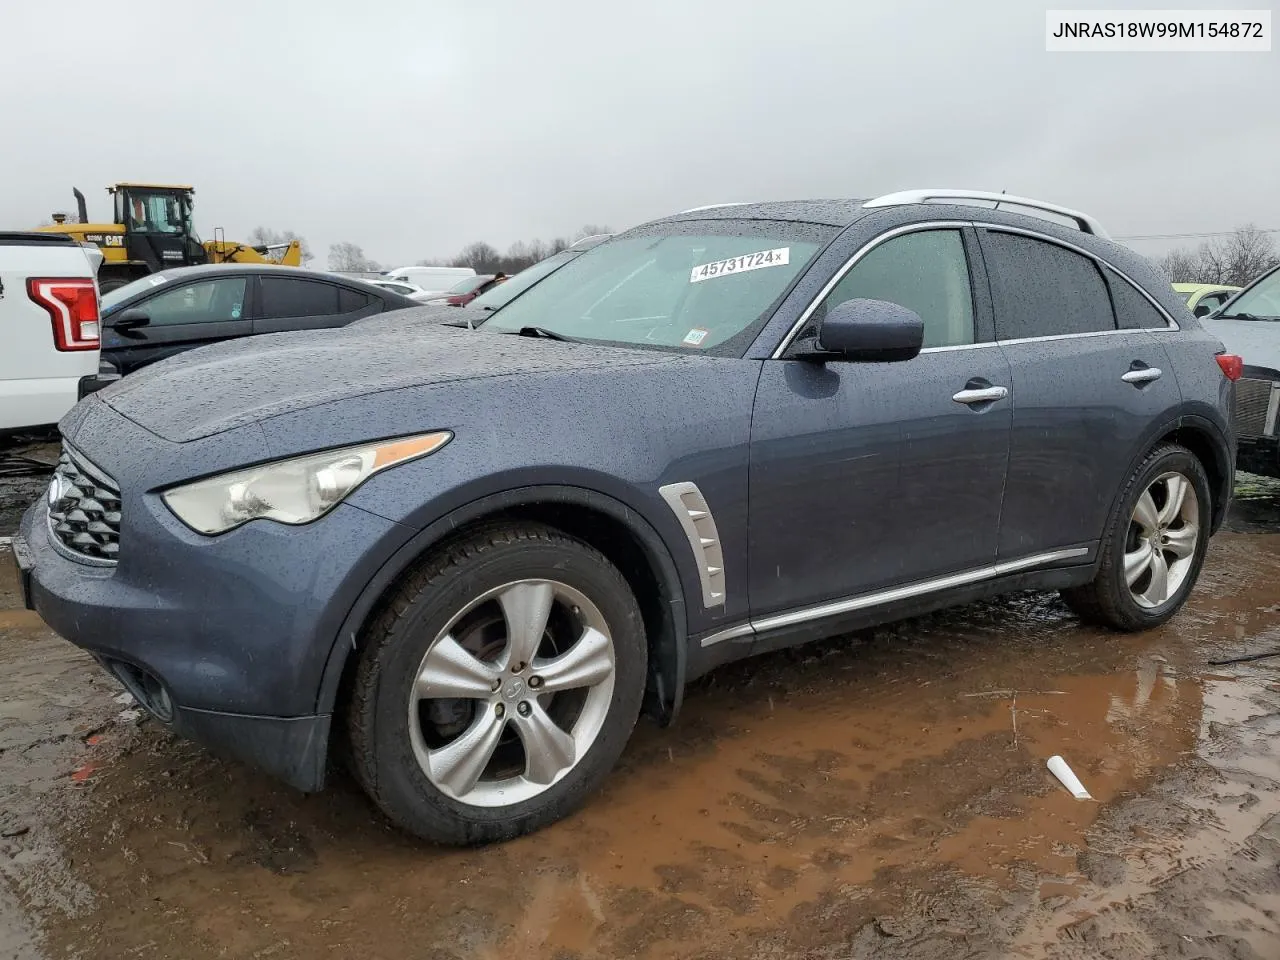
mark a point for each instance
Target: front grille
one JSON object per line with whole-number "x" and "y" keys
{"x": 84, "y": 509}
{"x": 1253, "y": 406}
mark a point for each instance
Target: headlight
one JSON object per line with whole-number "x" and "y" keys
{"x": 297, "y": 490}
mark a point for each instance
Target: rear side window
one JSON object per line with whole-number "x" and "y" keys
{"x": 351, "y": 300}
{"x": 287, "y": 297}
{"x": 1133, "y": 310}
{"x": 1044, "y": 290}
{"x": 926, "y": 272}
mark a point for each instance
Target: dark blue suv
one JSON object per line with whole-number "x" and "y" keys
{"x": 474, "y": 555}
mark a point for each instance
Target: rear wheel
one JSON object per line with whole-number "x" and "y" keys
{"x": 498, "y": 687}
{"x": 1154, "y": 547}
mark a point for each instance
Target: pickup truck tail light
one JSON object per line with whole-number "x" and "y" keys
{"x": 1232, "y": 365}
{"x": 72, "y": 305}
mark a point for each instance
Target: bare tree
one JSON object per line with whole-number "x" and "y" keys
{"x": 262, "y": 236}
{"x": 480, "y": 257}
{"x": 347, "y": 257}
{"x": 1182, "y": 266}
{"x": 1234, "y": 259}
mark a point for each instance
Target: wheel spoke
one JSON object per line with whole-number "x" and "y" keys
{"x": 548, "y": 750}
{"x": 1176, "y": 487}
{"x": 1157, "y": 591}
{"x": 450, "y": 671}
{"x": 1145, "y": 514}
{"x": 525, "y": 607}
{"x": 585, "y": 664}
{"x": 1137, "y": 562}
{"x": 1182, "y": 541}
{"x": 458, "y": 765}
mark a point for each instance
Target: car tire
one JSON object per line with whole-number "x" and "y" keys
{"x": 447, "y": 629}
{"x": 1147, "y": 536}
{"x": 106, "y": 286}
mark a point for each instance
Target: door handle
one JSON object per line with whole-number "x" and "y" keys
{"x": 980, "y": 395}
{"x": 1142, "y": 375}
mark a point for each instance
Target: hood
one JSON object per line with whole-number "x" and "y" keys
{"x": 214, "y": 389}
{"x": 1258, "y": 341}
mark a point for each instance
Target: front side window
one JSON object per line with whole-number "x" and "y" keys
{"x": 287, "y": 297}
{"x": 207, "y": 301}
{"x": 1261, "y": 302}
{"x": 1044, "y": 290}
{"x": 704, "y": 286}
{"x": 926, "y": 272}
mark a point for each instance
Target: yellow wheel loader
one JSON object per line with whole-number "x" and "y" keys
{"x": 152, "y": 231}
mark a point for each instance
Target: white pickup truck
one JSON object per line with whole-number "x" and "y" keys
{"x": 48, "y": 326}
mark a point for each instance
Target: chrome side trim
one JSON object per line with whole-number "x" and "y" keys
{"x": 731, "y": 633}
{"x": 690, "y": 507}
{"x": 867, "y": 600}
{"x": 1273, "y": 411}
{"x": 1084, "y": 221}
{"x": 848, "y": 265}
{"x": 1035, "y": 235}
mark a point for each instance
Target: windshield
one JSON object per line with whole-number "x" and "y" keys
{"x": 705, "y": 286}
{"x": 159, "y": 212}
{"x": 508, "y": 290}
{"x": 1261, "y": 300}
{"x": 112, "y": 299}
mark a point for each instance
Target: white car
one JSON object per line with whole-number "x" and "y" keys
{"x": 402, "y": 287}
{"x": 48, "y": 326}
{"x": 433, "y": 280}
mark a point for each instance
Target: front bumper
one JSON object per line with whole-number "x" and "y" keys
{"x": 235, "y": 630}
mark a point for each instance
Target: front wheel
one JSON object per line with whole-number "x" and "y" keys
{"x": 1154, "y": 547}
{"x": 498, "y": 687}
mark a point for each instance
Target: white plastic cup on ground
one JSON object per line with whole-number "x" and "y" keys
{"x": 1066, "y": 776}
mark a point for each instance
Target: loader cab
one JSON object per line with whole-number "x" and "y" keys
{"x": 158, "y": 225}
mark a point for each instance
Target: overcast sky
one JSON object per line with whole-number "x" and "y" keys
{"x": 413, "y": 127}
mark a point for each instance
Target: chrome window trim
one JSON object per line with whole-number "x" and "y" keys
{"x": 849, "y": 264}
{"x": 1068, "y": 336}
{"x": 867, "y": 600}
{"x": 1101, "y": 261}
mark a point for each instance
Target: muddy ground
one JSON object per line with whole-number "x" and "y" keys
{"x": 880, "y": 796}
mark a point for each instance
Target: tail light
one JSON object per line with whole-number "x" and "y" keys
{"x": 1232, "y": 365}
{"x": 72, "y": 305}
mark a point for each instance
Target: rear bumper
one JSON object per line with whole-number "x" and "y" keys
{"x": 37, "y": 403}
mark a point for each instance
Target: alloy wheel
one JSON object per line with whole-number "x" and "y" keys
{"x": 512, "y": 693}
{"x": 1164, "y": 532}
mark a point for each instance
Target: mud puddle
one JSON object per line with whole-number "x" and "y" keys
{"x": 884, "y": 795}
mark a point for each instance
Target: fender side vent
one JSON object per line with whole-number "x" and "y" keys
{"x": 690, "y": 507}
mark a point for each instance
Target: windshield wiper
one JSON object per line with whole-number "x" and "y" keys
{"x": 544, "y": 332}
{"x": 1243, "y": 316}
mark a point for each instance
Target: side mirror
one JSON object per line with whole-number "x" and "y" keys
{"x": 130, "y": 319}
{"x": 869, "y": 330}
{"x": 1202, "y": 310}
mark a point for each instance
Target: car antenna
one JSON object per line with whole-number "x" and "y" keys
{"x": 997, "y": 206}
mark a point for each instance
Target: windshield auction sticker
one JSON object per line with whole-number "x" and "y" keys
{"x": 748, "y": 261}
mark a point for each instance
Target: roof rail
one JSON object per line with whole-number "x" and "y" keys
{"x": 713, "y": 206}
{"x": 1085, "y": 222}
